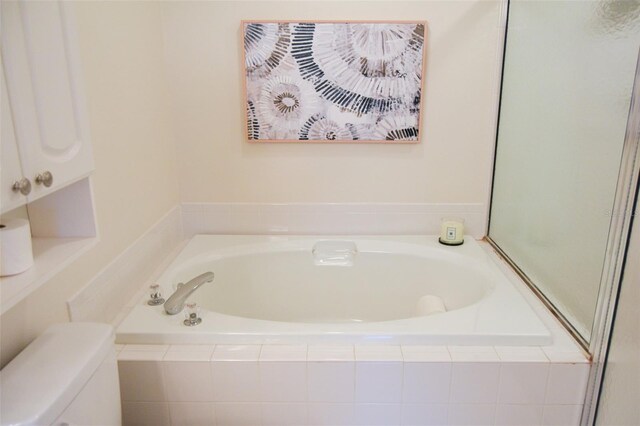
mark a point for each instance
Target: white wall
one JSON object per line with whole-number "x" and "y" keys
{"x": 135, "y": 182}
{"x": 451, "y": 165}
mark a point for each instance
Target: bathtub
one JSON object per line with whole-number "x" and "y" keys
{"x": 342, "y": 290}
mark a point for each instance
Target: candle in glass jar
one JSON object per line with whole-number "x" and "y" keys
{"x": 452, "y": 231}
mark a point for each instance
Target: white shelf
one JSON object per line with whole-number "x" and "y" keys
{"x": 51, "y": 255}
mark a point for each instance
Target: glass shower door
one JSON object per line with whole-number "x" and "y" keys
{"x": 568, "y": 76}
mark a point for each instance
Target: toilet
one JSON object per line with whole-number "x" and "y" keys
{"x": 67, "y": 376}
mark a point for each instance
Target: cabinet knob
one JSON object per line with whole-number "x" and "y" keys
{"x": 45, "y": 178}
{"x": 22, "y": 186}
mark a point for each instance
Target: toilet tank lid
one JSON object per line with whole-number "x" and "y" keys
{"x": 38, "y": 384}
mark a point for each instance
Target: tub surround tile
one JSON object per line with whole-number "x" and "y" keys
{"x": 330, "y": 414}
{"x": 567, "y": 383}
{"x": 277, "y": 414}
{"x": 518, "y": 415}
{"x": 142, "y": 381}
{"x": 331, "y": 381}
{"x": 235, "y": 381}
{"x": 348, "y": 385}
{"x": 424, "y": 353}
{"x": 424, "y": 415}
{"x": 249, "y": 222}
{"x": 473, "y": 354}
{"x": 378, "y": 382}
{"x": 127, "y": 355}
{"x": 523, "y": 383}
{"x": 470, "y": 348}
{"x": 236, "y": 353}
{"x": 192, "y": 413}
{"x": 283, "y": 381}
{"x": 283, "y": 353}
{"x": 562, "y": 415}
{"x": 475, "y": 383}
{"x": 195, "y": 356}
{"x": 238, "y": 414}
{"x": 424, "y": 348}
{"x": 377, "y": 414}
{"x": 472, "y": 414}
{"x": 156, "y": 348}
{"x": 192, "y": 348}
{"x": 426, "y": 382}
{"x": 378, "y": 353}
{"x": 521, "y": 354}
{"x": 188, "y": 381}
{"x": 145, "y": 414}
{"x": 319, "y": 353}
{"x": 560, "y": 355}
{"x": 327, "y": 218}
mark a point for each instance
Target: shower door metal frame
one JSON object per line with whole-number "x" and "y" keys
{"x": 622, "y": 215}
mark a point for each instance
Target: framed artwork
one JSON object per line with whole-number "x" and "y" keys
{"x": 333, "y": 82}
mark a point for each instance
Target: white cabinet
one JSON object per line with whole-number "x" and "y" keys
{"x": 44, "y": 129}
{"x": 11, "y": 169}
{"x": 46, "y": 100}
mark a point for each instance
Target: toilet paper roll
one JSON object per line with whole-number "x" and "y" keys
{"x": 429, "y": 305}
{"x": 16, "y": 255}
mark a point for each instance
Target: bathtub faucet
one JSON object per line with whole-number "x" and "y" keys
{"x": 175, "y": 303}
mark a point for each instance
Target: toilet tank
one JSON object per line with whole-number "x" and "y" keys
{"x": 67, "y": 376}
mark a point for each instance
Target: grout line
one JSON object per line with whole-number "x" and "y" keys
{"x": 546, "y": 386}
{"x": 260, "y": 353}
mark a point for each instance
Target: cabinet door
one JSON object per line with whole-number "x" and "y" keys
{"x": 10, "y": 169}
{"x": 40, "y": 53}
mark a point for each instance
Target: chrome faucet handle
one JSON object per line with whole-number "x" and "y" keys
{"x": 176, "y": 302}
{"x": 155, "y": 295}
{"x": 192, "y": 315}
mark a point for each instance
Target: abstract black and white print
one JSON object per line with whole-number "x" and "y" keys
{"x": 333, "y": 82}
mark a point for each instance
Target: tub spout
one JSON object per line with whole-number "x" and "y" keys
{"x": 175, "y": 303}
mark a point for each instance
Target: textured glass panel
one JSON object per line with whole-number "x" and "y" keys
{"x": 568, "y": 76}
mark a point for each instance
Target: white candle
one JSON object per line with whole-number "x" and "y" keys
{"x": 452, "y": 231}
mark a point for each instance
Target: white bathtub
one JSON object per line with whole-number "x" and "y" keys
{"x": 276, "y": 290}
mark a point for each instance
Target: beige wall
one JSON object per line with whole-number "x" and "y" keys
{"x": 135, "y": 181}
{"x": 151, "y": 130}
{"x": 452, "y": 164}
